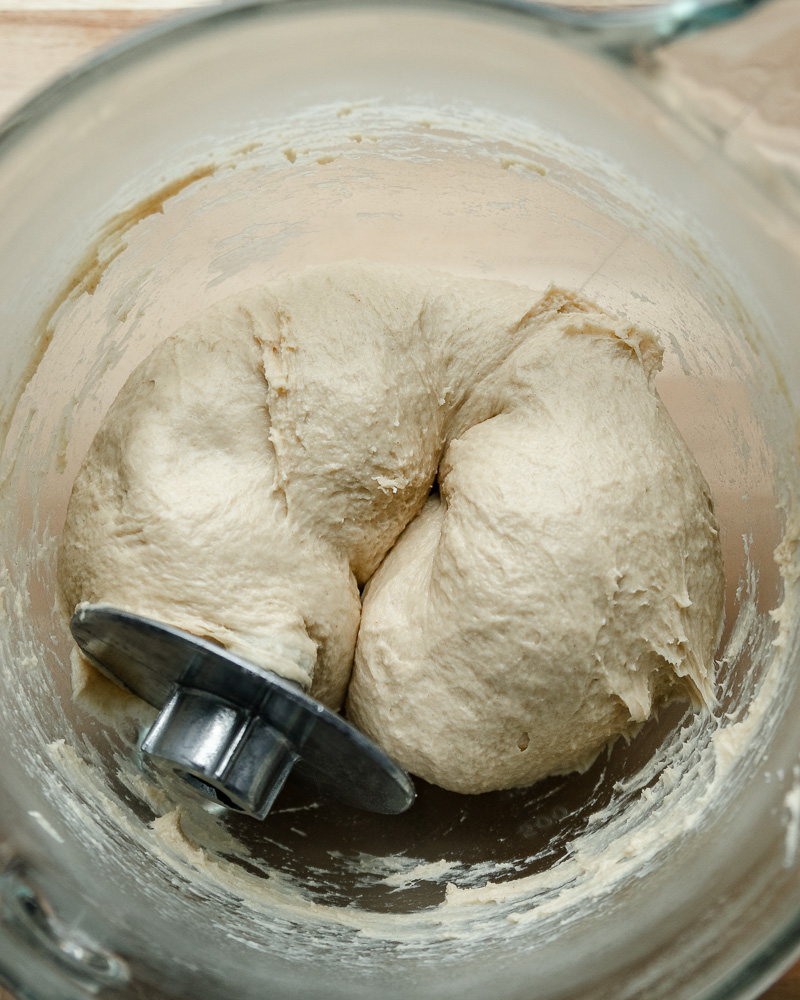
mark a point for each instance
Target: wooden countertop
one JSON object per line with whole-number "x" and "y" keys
{"x": 41, "y": 38}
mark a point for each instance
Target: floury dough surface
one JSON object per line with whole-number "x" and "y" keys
{"x": 279, "y": 452}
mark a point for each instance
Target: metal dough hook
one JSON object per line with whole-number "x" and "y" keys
{"x": 233, "y": 730}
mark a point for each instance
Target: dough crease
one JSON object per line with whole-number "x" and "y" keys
{"x": 457, "y": 505}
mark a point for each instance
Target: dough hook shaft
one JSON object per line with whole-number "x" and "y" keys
{"x": 230, "y": 729}
{"x": 221, "y": 750}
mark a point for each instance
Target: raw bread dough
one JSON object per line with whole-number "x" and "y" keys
{"x": 280, "y": 451}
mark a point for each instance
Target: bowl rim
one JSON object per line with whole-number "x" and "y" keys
{"x": 618, "y": 32}
{"x": 621, "y": 31}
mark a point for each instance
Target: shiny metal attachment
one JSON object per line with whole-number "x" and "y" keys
{"x": 231, "y": 730}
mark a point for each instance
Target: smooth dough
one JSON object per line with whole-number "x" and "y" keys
{"x": 541, "y": 558}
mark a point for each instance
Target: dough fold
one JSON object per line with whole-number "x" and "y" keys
{"x": 541, "y": 558}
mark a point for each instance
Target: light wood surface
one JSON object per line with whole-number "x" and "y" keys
{"x": 37, "y": 45}
{"x": 40, "y": 39}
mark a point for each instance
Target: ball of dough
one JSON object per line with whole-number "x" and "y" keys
{"x": 540, "y": 557}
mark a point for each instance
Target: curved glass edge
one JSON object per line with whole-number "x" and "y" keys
{"x": 619, "y": 32}
{"x": 622, "y": 32}
{"x": 763, "y": 969}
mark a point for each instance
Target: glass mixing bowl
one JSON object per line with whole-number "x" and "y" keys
{"x": 500, "y": 139}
